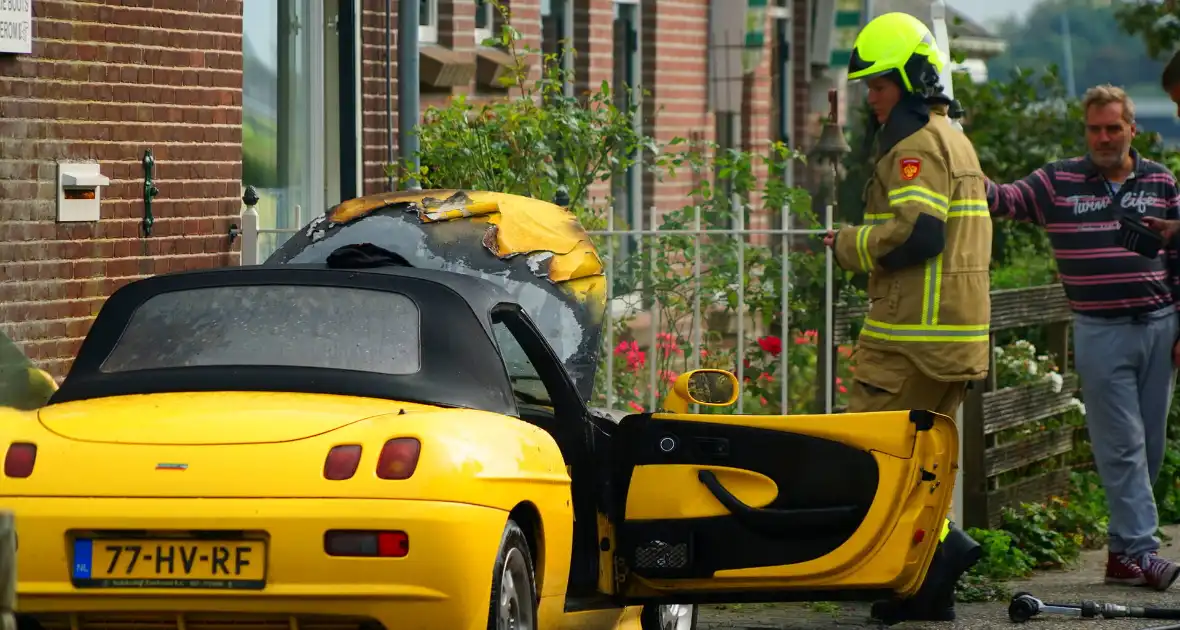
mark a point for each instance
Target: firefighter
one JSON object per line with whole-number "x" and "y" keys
{"x": 926, "y": 245}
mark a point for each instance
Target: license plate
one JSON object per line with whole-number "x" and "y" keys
{"x": 180, "y": 563}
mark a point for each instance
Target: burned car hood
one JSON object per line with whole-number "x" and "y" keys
{"x": 535, "y": 250}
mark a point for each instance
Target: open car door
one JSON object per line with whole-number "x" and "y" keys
{"x": 729, "y": 508}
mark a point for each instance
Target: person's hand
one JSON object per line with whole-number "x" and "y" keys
{"x": 829, "y": 239}
{"x": 1166, "y": 227}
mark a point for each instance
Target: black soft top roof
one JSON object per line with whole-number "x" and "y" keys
{"x": 461, "y": 364}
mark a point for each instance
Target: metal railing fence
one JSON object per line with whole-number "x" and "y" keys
{"x": 254, "y": 251}
{"x": 699, "y": 234}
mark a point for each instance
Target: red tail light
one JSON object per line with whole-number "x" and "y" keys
{"x": 342, "y": 462}
{"x": 339, "y": 542}
{"x": 399, "y": 458}
{"x": 19, "y": 460}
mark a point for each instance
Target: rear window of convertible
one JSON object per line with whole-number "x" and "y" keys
{"x": 340, "y": 328}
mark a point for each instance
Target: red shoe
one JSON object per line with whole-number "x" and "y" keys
{"x": 1160, "y": 573}
{"x": 1122, "y": 569}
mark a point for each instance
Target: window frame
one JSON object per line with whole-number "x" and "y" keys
{"x": 499, "y": 324}
{"x": 563, "y": 10}
{"x": 428, "y": 32}
{"x": 628, "y": 204}
{"x": 482, "y": 34}
{"x": 563, "y": 393}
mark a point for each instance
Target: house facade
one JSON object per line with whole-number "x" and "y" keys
{"x": 129, "y": 129}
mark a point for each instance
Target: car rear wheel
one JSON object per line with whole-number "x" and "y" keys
{"x": 514, "y": 586}
{"x": 669, "y": 617}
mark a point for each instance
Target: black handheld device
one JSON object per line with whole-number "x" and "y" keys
{"x": 1137, "y": 237}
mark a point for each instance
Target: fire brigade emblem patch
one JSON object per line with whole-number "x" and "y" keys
{"x": 910, "y": 167}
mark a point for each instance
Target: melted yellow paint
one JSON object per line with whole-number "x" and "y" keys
{"x": 517, "y": 225}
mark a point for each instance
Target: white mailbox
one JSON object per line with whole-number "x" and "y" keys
{"x": 79, "y": 191}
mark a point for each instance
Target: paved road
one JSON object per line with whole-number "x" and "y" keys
{"x": 1081, "y": 582}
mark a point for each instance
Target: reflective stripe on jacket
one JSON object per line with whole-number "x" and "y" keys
{"x": 926, "y": 245}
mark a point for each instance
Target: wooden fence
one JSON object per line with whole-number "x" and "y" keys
{"x": 989, "y": 411}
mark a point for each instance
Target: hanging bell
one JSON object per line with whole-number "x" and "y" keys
{"x": 832, "y": 146}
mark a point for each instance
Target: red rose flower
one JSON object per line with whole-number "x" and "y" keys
{"x": 771, "y": 344}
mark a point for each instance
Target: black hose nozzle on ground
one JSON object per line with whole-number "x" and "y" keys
{"x": 1024, "y": 607}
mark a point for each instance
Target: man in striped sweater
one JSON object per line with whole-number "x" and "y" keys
{"x": 1125, "y": 315}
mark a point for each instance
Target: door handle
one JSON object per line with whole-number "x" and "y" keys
{"x": 780, "y": 523}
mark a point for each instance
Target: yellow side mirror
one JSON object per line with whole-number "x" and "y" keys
{"x": 25, "y": 387}
{"x": 41, "y": 384}
{"x": 714, "y": 388}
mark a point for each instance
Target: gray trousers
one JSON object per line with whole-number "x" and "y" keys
{"x": 1127, "y": 376}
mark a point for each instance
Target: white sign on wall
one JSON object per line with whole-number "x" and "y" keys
{"x": 16, "y": 26}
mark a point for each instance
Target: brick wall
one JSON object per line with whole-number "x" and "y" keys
{"x": 674, "y": 43}
{"x": 374, "y": 152}
{"x": 758, "y": 128}
{"x": 676, "y": 48}
{"x": 526, "y": 17}
{"x": 593, "y": 43}
{"x": 456, "y": 33}
{"x": 106, "y": 81}
{"x": 676, "y": 37}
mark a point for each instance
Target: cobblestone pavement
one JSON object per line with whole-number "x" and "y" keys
{"x": 1081, "y": 582}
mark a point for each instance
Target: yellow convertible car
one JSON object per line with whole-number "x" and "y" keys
{"x": 385, "y": 427}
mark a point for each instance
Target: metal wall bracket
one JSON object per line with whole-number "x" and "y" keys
{"x": 149, "y": 191}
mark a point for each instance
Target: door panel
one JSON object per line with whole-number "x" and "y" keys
{"x": 651, "y": 500}
{"x": 784, "y": 506}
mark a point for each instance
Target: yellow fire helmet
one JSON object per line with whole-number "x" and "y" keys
{"x": 897, "y": 42}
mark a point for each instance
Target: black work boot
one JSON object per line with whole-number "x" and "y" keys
{"x": 935, "y": 599}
